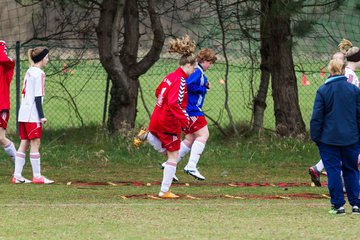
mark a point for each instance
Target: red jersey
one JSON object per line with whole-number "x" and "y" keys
{"x": 6, "y": 74}
{"x": 170, "y": 115}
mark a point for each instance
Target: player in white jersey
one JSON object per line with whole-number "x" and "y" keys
{"x": 352, "y": 56}
{"x": 31, "y": 117}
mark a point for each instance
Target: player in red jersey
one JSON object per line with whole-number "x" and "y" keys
{"x": 169, "y": 116}
{"x": 6, "y": 74}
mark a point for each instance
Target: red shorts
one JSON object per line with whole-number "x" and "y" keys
{"x": 196, "y": 123}
{"x": 170, "y": 141}
{"x": 30, "y": 130}
{"x": 4, "y": 119}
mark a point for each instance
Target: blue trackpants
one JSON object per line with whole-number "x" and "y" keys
{"x": 345, "y": 159}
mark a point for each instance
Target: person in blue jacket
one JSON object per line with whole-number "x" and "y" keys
{"x": 334, "y": 127}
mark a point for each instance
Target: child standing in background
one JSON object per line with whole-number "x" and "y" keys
{"x": 31, "y": 117}
{"x": 6, "y": 74}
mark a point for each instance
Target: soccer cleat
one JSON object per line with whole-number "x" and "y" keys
{"x": 17, "y": 180}
{"x": 355, "y": 210}
{"x": 42, "y": 180}
{"x": 194, "y": 172}
{"x": 168, "y": 195}
{"x": 315, "y": 176}
{"x": 175, "y": 178}
{"x": 140, "y": 137}
{"x": 337, "y": 211}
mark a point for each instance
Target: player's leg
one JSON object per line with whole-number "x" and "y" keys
{"x": 8, "y": 145}
{"x": 35, "y": 133}
{"x": 35, "y": 157}
{"x": 155, "y": 142}
{"x": 197, "y": 148}
{"x": 20, "y": 162}
{"x": 185, "y": 145}
{"x": 36, "y": 163}
{"x": 351, "y": 175}
{"x": 331, "y": 156}
{"x": 172, "y": 144}
{"x": 315, "y": 172}
{"x": 168, "y": 175}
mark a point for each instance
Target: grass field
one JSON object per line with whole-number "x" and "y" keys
{"x": 105, "y": 189}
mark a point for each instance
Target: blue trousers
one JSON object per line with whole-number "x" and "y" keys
{"x": 345, "y": 159}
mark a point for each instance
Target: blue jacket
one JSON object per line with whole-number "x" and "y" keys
{"x": 336, "y": 114}
{"x": 196, "y": 86}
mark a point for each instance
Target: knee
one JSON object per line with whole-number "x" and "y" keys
{"x": 202, "y": 138}
{"x": 3, "y": 140}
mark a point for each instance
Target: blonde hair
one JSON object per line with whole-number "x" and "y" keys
{"x": 33, "y": 52}
{"x": 336, "y": 67}
{"x": 347, "y": 48}
{"x": 184, "y": 46}
{"x": 206, "y": 54}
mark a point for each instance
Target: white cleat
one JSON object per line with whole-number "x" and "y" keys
{"x": 19, "y": 180}
{"x": 42, "y": 180}
{"x": 194, "y": 172}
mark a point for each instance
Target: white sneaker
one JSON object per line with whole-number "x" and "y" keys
{"x": 194, "y": 172}
{"x": 17, "y": 180}
{"x": 42, "y": 180}
{"x": 175, "y": 178}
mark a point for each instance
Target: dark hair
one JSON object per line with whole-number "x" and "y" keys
{"x": 37, "y": 54}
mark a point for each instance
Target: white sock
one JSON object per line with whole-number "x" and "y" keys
{"x": 19, "y": 164}
{"x": 183, "y": 151}
{"x": 196, "y": 150}
{"x": 169, "y": 172}
{"x": 155, "y": 142}
{"x": 35, "y": 164}
{"x": 10, "y": 150}
{"x": 319, "y": 166}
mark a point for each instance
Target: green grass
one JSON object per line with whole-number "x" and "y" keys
{"x": 72, "y": 211}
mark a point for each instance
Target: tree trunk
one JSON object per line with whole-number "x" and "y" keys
{"x": 288, "y": 118}
{"x": 259, "y": 102}
{"x": 122, "y": 106}
{"x": 118, "y": 37}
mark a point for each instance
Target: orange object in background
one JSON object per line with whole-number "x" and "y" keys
{"x": 304, "y": 80}
{"x": 322, "y": 72}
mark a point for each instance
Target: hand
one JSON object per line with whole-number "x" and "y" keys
{"x": 43, "y": 120}
{"x": 208, "y": 85}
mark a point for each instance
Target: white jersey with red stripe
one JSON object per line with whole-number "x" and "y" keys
{"x": 34, "y": 86}
{"x": 351, "y": 76}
